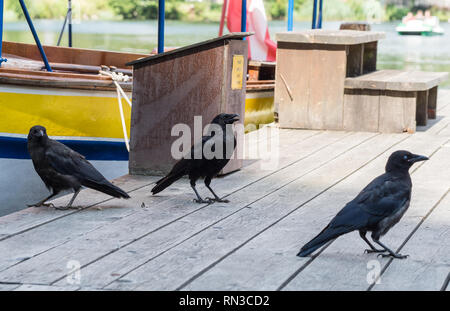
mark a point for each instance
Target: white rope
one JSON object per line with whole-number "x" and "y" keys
{"x": 122, "y": 78}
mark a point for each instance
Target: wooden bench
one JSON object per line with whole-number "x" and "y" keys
{"x": 391, "y": 100}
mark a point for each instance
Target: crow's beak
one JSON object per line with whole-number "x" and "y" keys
{"x": 233, "y": 118}
{"x": 418, "y": 158}
{"x": 41, "y": 133}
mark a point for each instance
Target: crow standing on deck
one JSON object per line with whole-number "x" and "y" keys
{"x": 61, "y": 168}
{"x": 377, "y": 208}
{"x": 204, "y": 167}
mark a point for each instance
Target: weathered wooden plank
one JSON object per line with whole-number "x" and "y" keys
{"x": 429, "y": 264}
{"x": 432, "y": 102}
{"x": 415, "y": 80}
{"x": 291, "y": 100}
{"x": 111, "y": 267}
{"x": 436, "y": 126}
{"x": 374, "y": 80}
{"x": 31, "y": 217}
{"x": 23, "y": 246}
{"x": 45, "y": 288}
{"x": 326, "y": 98}
{"x": 355, "y": 58}
{"x": 323, "y": 36}
{"x": 397, "y": 112}
{"x": 361, "y": 26}
{"x": 183, "y": 262}
{"x": 343, "y": 265}
{"x": 96, "y": 244}
{"x": 361, "y": 110}
{"x": 312, "y": 96}
{"x": 44, "y": 238}
{"x": 370, "y": 57}
{"x": 422, "y": 108}
{"x": 71, "y": 55}
{"x": 8, "y": 287}
{"x": 397, "y": 80}
{"x": 275, "y": 249}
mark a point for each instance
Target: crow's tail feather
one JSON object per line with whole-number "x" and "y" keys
{"x": 106, "y": 187}
{"x": 321, "y": 239}
{"x": 165, "y": 182}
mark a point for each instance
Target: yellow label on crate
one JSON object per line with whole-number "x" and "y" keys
{"x": 237, "y": 74}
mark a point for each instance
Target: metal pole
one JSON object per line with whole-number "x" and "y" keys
{"x": 222, "y": 17}
{"x": 69, "y": 15}
{"x": 161, "y": 10}
{"x": 290, "y": 25}
{"x": 36, "y": 38}
{"x": 314, "y": 15}
{"x": 319, "y": 23}
{"x": 1, "y": 33}
{"x": 62, "y": 29}
{"x": 244, "y": 16}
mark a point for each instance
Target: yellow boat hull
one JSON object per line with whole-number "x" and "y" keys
{"x": 87, "y": 120}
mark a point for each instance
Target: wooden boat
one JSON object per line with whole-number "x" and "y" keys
{"x": 80, "y": 107}
{"x": 76, "y": 104}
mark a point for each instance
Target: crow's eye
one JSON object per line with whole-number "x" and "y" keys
{"x": 405, "y": 157}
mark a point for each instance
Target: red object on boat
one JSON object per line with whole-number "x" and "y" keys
{"x": 261, "y": 47}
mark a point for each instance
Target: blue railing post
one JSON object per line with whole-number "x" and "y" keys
{"x": 36, "y": 38}
{"x": 244, "y": 16}
{"x": 290, "y": 24}
{"x": 314, "y": 15}
{"x": 319, "y": 22}
{"x": 161, "y": 17}
{"x": 69, "y": 15}
{"x": 1, "y": 33}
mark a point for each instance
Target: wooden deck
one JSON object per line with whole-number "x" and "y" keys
{"x": 167, "y": 242}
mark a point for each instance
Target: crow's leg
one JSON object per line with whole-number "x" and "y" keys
{"x": 71, "y": 200}
{"x": 391, "y": 253}
{"x": 199, "y": 199}
{"x": 41, "y": 203}
{"x": 216, "y": 198}
{"x": 372, "y": 249}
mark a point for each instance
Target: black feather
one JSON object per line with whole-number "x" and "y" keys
{"x": 202, "y": 167}
{"x": 378, "y": 207}
{"x": 62, "y": 168}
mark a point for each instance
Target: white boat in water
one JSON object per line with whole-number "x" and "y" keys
{"x": 427, "y": 26}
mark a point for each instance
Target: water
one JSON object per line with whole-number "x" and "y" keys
{"x": 394, "y": 52}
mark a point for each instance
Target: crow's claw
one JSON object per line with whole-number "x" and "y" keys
{"x": 65, "y": 208}
{"x": 398, "y": 256}
{"x": 42, "y": 204}
{"x": 218, "y": 200}
{"x": 369, "y": 251}
{"x": 201, "y": 201}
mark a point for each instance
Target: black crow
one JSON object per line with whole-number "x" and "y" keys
{"x": 204, "y": 166}
{"x": 61, "y": 168}
{"x": 377, "y": 208}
